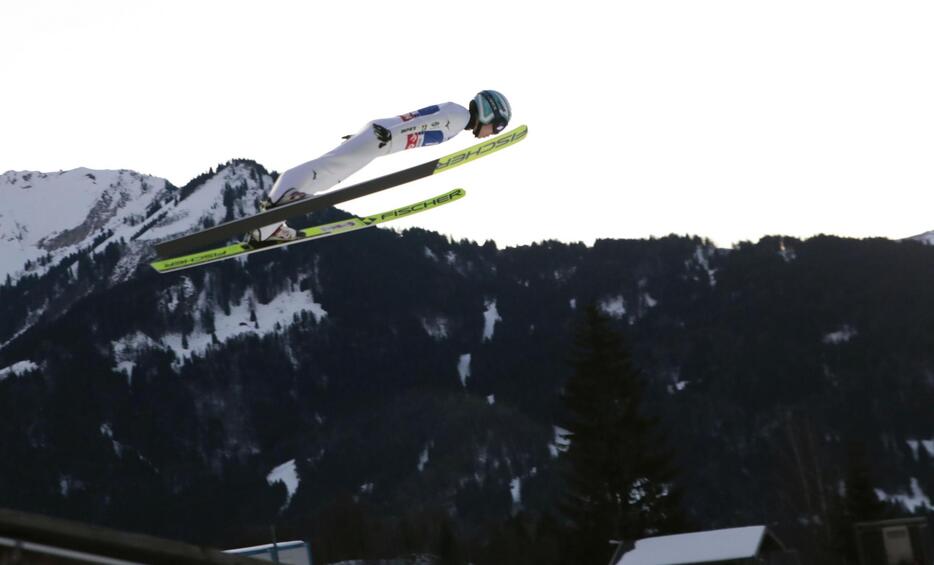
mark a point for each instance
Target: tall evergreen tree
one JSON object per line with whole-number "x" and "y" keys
{"x": 619, "y": 477}
{"x": 862, "y": 503}
{"x": 859, "y": 503}
{"x": 449, "y": 552}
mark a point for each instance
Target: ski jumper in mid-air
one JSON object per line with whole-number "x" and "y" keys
{"x": 488, "y": 113}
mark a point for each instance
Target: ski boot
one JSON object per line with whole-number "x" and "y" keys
{"x": 280, "y": 234}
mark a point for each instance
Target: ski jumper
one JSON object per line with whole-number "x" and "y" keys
{"x": 429, "y": 126}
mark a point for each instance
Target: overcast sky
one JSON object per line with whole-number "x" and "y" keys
{"x": 725, "y": 119}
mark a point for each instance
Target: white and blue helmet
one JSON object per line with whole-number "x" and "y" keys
{"x": 491, "y": 108}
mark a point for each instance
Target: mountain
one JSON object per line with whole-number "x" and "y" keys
{"x": 363, "y": 390}
{"x": 46, "y": 217}
{"x": 926, "y": 237}
{"x": 50, "y": 222}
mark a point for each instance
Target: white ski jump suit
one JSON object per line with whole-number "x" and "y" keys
{"x": 429, "y": 126}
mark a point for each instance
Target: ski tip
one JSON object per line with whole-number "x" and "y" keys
{"x": 473, "y": 152}
{"x": 519, "y": 133}
{"x": 439, "y": 200}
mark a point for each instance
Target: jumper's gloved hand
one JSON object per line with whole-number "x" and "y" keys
{"x": 382, "y": 134}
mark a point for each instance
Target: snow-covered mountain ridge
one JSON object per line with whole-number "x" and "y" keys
{"x": 47, "y": 217}
{"x": 926, "y": 237}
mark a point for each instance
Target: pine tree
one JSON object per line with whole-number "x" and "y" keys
{"x": 861, "y": 502}
{"x": 858, "y": 503}
{"x": 619, "y": 479}
{"x": 448, "y": 547}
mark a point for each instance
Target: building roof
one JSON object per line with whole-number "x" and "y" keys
{"x": 701, "y": 547}
{"x": 37, "y": 535}
{"x": 913, "y": 521}
{"x": 256, "y": 549}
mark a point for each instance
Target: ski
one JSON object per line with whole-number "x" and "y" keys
{"x": 239, "y": 227}
{"x": 309, "y": 234}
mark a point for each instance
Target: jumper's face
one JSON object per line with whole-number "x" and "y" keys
{"x": 483, "y": 130}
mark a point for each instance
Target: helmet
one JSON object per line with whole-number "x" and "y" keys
{"x": 491, "y": 108}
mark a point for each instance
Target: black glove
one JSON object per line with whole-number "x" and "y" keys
{"x": 382, "y": 134}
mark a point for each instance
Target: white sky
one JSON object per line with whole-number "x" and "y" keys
{"x": 728, "y": 119}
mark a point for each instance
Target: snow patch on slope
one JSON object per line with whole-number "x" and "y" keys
{"x": 515, "y": 490}
{"x": 701, "y": 258}
{"x": 423, "y": 458}
{"x": 614, "y": 306}
{"x": 17, "y": 369}
{"x": 108, "y": 432}
{"x": 463, "y": 368}
{"x": 916, "y": 445}
{"x": 564, "y": 274}
{"x": 842, "y": 335}
{"x": 436, "y": 328}
{"x": 172, "y": 296}
{"x": 561, "y": 442}
{"x": 648, "y": 301}
{"x": 270, "y": 318}
{"x": 490, "y": 317}
{"x": 127, "y": 349}
{"x": 288, "y": 476}
{"x": 914, "y": 501}
{"x": 31, "y": 318}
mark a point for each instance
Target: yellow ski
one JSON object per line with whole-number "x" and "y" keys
{"x": 307, "y": 234}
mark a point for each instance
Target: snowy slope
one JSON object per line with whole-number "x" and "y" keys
{"x": 207, "y": 203}
{"x": 45, "y": 217}
{"x": 56, "y": 214}
{"x": 926, "y": 237}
